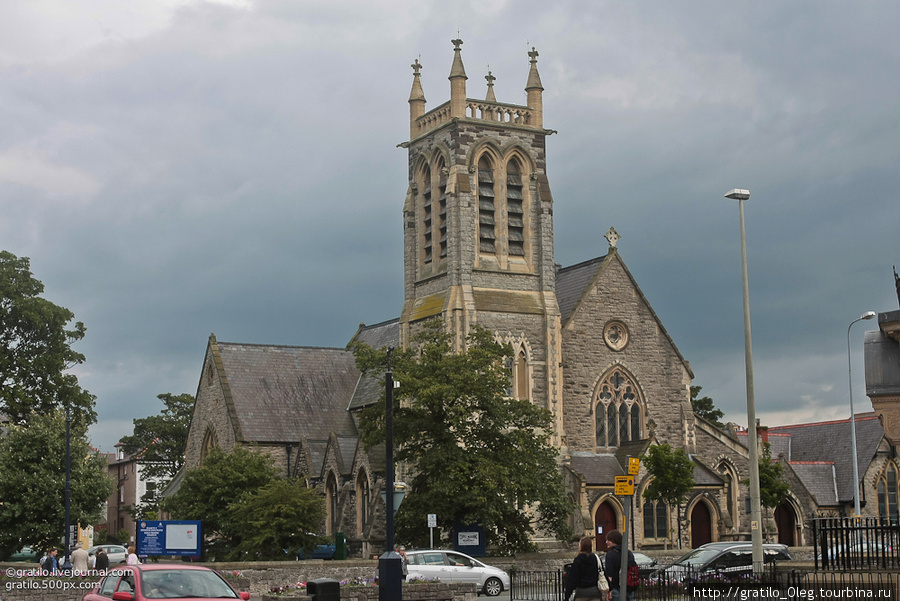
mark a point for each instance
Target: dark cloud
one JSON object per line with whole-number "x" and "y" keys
{"x": 176, "y": 169}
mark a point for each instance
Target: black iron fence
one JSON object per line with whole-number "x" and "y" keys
{"x": 684, "y": 585}
{"x": 856, "y": 543}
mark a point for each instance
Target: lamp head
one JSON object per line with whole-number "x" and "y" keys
{"x": 738, "y": 194}
{"x": 868, "y": 315}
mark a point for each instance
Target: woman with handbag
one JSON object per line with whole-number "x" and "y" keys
{"x": 586, "y": 578}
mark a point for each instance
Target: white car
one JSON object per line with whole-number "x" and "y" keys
{"x": 117, "y": 554}
{"x": 452, "y": 566}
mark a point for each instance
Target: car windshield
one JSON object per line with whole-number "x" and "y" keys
{"x": 181, "y": 584}
{"x": 697, "y": 557}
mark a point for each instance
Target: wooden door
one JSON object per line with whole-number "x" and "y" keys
{"x": 701, "y": 525}
{"x": 604, "y": 521}
{"x": 786, "y": 524}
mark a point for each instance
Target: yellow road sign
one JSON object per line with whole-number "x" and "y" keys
{"x": 634, "y": 466}
{"x": 624, "y": 486}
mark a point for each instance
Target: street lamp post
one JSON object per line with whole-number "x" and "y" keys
{"x": 866, "y": 315}
{"x": 390, "y": 568}
{"x": 67, "y": 565}
{"x": 755, "y": 511}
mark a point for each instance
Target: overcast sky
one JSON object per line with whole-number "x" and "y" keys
{"x": 179, "y": 168}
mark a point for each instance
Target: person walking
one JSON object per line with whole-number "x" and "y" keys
{"x": 49, "y": 563}
{"x": 404, "y": 562}
{"x": 132, "y": 557}
{"x": 586, "y": 579}
{"x": 79, "y": 560}
{"x": 614, "y": 564}
{"x": 101, "y": 561}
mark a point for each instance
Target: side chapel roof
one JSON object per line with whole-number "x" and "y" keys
{"x": 285, "y": 393}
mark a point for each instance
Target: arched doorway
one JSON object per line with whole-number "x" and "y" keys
{"x": 604, "y": 520}
{"x": 701, "y": 525}
{"x": 786, "y": 522}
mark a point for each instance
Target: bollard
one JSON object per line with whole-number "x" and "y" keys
{"x": 324, "y": 589}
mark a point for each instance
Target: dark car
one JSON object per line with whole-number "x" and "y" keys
{"x": 320, "y": 552}
{"x": 730, "y": 559}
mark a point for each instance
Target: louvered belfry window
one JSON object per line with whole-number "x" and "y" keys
{"x": 487, "y": 239}
{"x": 426, "y": 214}
{"x": 442, "y": 210}
{"x": 515, "y": 210}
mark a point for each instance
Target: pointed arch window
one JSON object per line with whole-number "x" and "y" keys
{"x": 487, "y": 238}
{"x": 362, "y": 503}
{"x": 887, "y": 494}
{"x": 331, "y": 499}
{"x": 618, "y": 414}
{"x": 441, "y": 216}
{"x": 656, "y": 519}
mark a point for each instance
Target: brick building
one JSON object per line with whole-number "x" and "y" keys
{"x": 478, "y": 248}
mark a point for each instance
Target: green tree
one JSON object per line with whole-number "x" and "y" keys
{"x": 773, "y": 490}
{"x": 32, "y": 488}
{"x": 246, "y": 510}
{"x": 479, "y": 456}
{"x": 705, "y": 408}
{"x": 672, "y": 473}
{"x": 159, "y": 442}
{"x": 278, "y": 517}
{"x": 35, "y": 349}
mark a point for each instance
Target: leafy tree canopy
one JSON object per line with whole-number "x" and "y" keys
{"x": 35, "y": 349}
{"x": 672, "y": 472}
{"x": 246, "y": 509}
{"x": 32, "y": 488}
{"x": 705, "y": 408}
{"x": 159, "y": 441}
{"x": 773, "y": 490}
{"x": 479, "y": 456}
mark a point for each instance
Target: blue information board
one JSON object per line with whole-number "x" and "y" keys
{"x": 172, "y": 537}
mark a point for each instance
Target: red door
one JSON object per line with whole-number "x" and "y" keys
{"x": 701, "y": 525}
{"x": 784, "y": 520}
{"x": 604, "y": 521}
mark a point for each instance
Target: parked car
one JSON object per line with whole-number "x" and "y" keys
{"x": 453, "y": 566}
{"x": 116, "y": 553}
{"x": 858, "y": 550}
{"x": 25, "y": 554}
{"x": 646, "y": 564}
{"x": 162, "y": 581}
{"x": 320, "y": 552}
{"x": 732, "y": 559}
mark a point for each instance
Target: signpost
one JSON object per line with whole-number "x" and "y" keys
{"x": 624, "y": 487}
{"x": 432, "y": 524}
{"x": 174, "y": 537}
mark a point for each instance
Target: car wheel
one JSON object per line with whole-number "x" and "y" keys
{"x": 493, "y": 587}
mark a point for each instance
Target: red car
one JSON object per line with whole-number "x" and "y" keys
{"x": 162, "y": 581}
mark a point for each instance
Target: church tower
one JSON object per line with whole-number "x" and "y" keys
{"x": 478, "y": 228}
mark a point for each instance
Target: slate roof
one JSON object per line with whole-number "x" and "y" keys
{"x": 596, "y": 469}
{"x": 286, "y": 393}
{"x": 571, "y": 283}
{"x": 380, "y": 335}
{"x": 703, "y": 476}
{"x": 819, "y": 479}
{"x": 830, "y": 442}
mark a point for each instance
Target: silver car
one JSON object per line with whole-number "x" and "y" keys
{"x": 452, "y": 566}
{"x": 116, "y": 553}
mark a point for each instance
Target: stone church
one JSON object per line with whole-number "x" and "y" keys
{"x": 588, "y": 346}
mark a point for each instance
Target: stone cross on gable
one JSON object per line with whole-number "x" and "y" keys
{"x": 612, "y": 236}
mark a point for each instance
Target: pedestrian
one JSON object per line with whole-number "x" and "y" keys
{"x": 101, "y": 561}
{"x": 614, "y": 565}
{"x": 132, "y": 557}
{"x": 404, "y": 562}
{"x": 49, "y": 563}
{"x": 79, "y": 560}
{"x": 586, "y": 579}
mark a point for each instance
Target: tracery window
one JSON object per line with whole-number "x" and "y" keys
{"x": 617, "y": 410}
{"x": 887, "y": 494}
